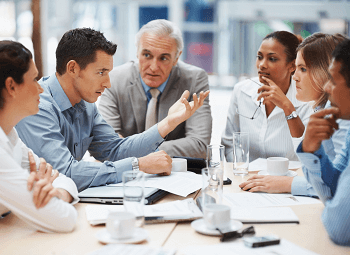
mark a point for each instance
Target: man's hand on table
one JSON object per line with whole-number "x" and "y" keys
{"x": 268, "y": 183}
{"x": 320, "y": 128}
{"x": 180, "y": 111}
{"x": 156, "y": 163}
{"x": 40, "y": 181}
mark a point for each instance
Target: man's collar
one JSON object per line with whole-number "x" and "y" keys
{"x": 60, "y": 96}
{"x": 58, "y": 93}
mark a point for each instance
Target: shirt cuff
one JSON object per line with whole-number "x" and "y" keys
{"x": 121, "y": 166}
{"x": 67, "y": 184}
{"x": 299, "y": 186}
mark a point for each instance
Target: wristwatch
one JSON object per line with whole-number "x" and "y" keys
{"x": 293, "y": 115}
{"x": 135, "y": 164}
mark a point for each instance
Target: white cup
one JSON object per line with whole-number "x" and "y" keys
{"x": 121, "y": 225}
{"x": 217, "y": 216}
{"x": 179, "y": 165}
{"x": 277, "y": 166}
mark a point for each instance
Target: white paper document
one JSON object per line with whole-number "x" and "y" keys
{"x": 247, "y": 199}
{"x": 180, "y": 209}
{"x": 238, "y": 248}
{"x": 178, "y": 183}
{"x": 260, "y": 164}
{"x": 264, "y": 215}
{"x": 130, "y": 249}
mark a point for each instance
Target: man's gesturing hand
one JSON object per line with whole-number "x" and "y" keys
{"x": 181, "y": 111}
{"x": 321, "y": 126}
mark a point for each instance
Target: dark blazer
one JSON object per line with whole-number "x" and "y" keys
{"x": 124, "y": 107}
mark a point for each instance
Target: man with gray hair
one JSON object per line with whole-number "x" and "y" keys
{"x": 142, "y": 92}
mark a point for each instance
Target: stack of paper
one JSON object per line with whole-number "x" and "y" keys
{"x": 180, "y": 210}
{"x": 264, "y": 215}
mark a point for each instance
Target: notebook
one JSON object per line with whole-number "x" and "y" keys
{"x": 114, "y": 195}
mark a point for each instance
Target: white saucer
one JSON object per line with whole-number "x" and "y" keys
{"x": 289, "y": 173}
{"x": 200, "y": 227}
{"x": 140, "y": 234}
{"x": 294, "y": 164}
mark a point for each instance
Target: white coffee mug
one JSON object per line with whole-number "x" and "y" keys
{"x": 277, "y": 166}
{"x": 179, "y": 165}
{"x": 121, "y": 225}
{"x": 217, "y": 216}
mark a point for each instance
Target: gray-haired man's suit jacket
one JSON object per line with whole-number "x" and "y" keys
{"x": 124, "y": 107}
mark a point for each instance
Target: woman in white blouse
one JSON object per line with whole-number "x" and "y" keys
{"x": 266, "y": 106}
{"x": 29, "y": 187}
{"x": 314, "y": 56}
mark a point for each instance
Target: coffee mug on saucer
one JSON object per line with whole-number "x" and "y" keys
{"x": 179, "y": 165}
{"x": 277, "y": 166}
{"x": 217, "y": 216}
{"x": 121, "y": 225}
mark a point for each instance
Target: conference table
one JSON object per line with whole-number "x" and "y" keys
{"x": 16, "y": 237}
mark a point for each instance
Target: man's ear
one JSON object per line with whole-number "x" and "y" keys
{"x": 10, "y": 86}
{"x": 177, "y": 59}
{"x": 72, "y": 68}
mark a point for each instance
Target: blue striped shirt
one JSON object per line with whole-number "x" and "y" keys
{"x": 331, "y": 182}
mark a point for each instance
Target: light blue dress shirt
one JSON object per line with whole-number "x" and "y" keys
{"x": 62, "y": 133}
{"x": 331, "y": 182}
{"x": 146, "y": 88}
{"x": 332, "y": 147}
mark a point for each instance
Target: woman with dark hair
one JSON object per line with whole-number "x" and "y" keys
{"x": 314, "y": 56}
{"x": 266, "y": 106}
{"x": 29, "y": 187}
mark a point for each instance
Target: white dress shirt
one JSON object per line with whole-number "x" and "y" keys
{"x": 268, "y": 136}
{"x": 57, "y": 215}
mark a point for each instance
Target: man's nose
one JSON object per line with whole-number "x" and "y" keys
{"x": 154, "y": 65}
{"x": 107, "y": 83}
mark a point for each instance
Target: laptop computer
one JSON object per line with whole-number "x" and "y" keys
{"x": 114, "y": 195}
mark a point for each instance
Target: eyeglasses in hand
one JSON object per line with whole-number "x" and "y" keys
{"x": 260, "y": 102}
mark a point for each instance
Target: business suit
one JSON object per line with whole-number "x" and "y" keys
{"x": 124, "y": 107}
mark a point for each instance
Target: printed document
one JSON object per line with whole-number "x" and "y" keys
{"x": 248, "y": 199}
{"x": 178, "y": 183}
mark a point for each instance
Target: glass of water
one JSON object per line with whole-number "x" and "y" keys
{"x": 134, "y": 198}
{"x": 240, "y": 153}
{"x": 216, "y": 156}
{"x": 212, "y": 181}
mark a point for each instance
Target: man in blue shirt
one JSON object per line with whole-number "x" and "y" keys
{"x": 68, "y": 123}
{"x": 331, "y": 179}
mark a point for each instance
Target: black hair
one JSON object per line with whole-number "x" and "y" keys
{"x": 341, "y": 54}
{"x": 81, "y": 44}
{"x": 288, "y": 40}
{"x": 14, "y": 63}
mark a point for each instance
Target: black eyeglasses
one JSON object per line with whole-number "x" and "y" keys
{"x": 235, "y": 234}
{"x": 256, "y": 110}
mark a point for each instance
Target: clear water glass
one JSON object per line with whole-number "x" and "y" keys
{"x": 134, "y": 194}
{"x": 212, "y": 181}
{"x": 240, "y": 153}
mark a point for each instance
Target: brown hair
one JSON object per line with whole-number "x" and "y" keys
{"x": 316, "y": 51}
